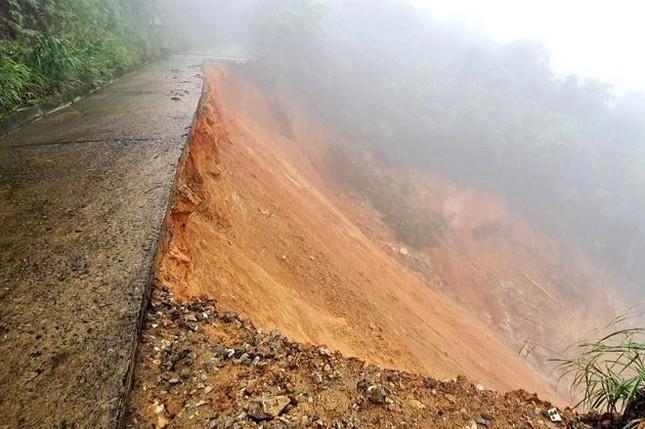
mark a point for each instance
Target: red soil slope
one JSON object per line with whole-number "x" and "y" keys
{"x": 255, "y": 226}
{"x": 529, "y": 285}
{"x": 539, "y": 292}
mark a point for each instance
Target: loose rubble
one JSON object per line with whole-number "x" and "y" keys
{"x": 200, "y": 367}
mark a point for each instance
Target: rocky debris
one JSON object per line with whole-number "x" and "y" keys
{"x": 594, "y": 420}
{"x": 200, "y": 367}
{"x": 266, "y": 409}
{"x": 415, "y": 404}
{"x": 324, "y": 352}
{"x": 431, "y": 383}
{"x": 482, "y": 422}
{"x": 376, "y": 395}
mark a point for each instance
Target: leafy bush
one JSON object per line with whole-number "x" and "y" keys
{"x": 55, "y": 59}
{"x": 15, "y": 81}
{"x": 103, "y": 58}
{"x": 55, "y": 45}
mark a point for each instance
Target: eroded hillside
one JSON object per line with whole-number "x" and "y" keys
{"x": 256, "y": 226}
{"x": 538, "y": 291}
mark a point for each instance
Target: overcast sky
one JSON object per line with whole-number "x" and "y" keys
{"x": 604, "y": 39}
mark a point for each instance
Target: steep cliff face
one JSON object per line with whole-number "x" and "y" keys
{"x": 258, "y": 225}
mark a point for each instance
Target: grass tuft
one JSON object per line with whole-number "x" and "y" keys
{"x": 609, "y": 372}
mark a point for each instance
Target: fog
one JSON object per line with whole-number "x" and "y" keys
{"x": 471, "y": 93}
{"x": 592, "y": 38}
{"x": 220, "y": 201}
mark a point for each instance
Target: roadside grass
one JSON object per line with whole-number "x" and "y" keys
{"x": 609, "y": 372}
{"x": 52, "y": 47}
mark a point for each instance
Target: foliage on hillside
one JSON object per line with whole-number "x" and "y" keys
{"x": 50, "y": 46}
{"x": 564, "y": 149}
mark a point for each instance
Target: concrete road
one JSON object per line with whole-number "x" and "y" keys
{"x": 83, "y": 193}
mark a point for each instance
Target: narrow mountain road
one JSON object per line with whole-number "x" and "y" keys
{"x": 83, "y": 193}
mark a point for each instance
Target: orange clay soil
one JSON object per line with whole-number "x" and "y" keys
{"x": 255, "y": 226}
{"x": 529, "y": 286}
{"x": 538, "y": 292}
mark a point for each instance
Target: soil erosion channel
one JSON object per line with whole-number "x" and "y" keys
{"x": 256, "y": 227}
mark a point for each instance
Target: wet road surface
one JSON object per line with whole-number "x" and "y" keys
{"x": 83, "y": 193}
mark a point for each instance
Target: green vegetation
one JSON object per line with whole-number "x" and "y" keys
{"x": 48, "y": 47}
{"x": 610, "y": 373}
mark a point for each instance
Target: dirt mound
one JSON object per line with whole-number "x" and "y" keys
{"x": 200, "y": 367}
{"x": 257, "y": 227}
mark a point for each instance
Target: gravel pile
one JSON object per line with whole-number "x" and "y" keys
{"x": 200, "y": 367}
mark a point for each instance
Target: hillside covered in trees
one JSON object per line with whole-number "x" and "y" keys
{"x": 566, "y": 150}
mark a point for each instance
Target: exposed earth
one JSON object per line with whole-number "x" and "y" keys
{"x": 200, "y": 367}
{"x": 259, "y": 227}
{"x": 279, "y": 294}
{"x": 279, "y": 298}
{"x": 256, "y": 226}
